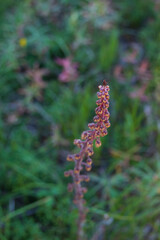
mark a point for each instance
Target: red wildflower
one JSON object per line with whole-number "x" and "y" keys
{"x": 69, "y": 72}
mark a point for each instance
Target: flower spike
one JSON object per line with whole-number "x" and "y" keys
{"x": 83, "y": 159}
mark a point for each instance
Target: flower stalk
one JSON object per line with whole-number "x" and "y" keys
{"x": 83, "y": 159}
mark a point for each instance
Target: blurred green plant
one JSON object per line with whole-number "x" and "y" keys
{"x": 40, "y": 118}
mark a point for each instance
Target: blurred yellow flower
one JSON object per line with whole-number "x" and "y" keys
{"x": 23, "y": 42}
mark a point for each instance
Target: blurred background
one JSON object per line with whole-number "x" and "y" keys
{"x": 53, "y": 56}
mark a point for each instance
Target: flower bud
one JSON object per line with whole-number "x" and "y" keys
{"x": 97, "y": 134}
{"x": 103, "y": 94}
{"x": 90, "y": 143}
{"x": 104, "y": 133}
{"x": 107, "y": 114}
{"x": 107, "y": 124}
{"x": 97, "y": 127}
{"x": 70, "y": 158}
{"x": 100, "y": 88}
{"x": 107, "y": 105}
{"x": 91, "y": 126}
{"x": 84, "y": 135}
{"x": 98, "y": 110}
{"x": 102, "y": 127}
{"x": 103, "y": 106}
{"x": 96, "y": 119}
{"x": 89, "y": 161}
{"x": 98, "y": 102}
{"x": 85, "y": 178}
{"x": 107, "y": 89}
{"x": 90, "y": 151}
{"x": 78, "y": 142}
{"x": 98, "y": 142}
{"x": 105, "y": 100}
{"x": 68, "y": 173}
{"x": 77, "y": 180}
{"x": 107, "y": 95}
{"x": 76, "y": 170}
{"x": 90, "y": 136}
{"x": 77, "y": 156}
{"x": 103, "y": 118}
{"x": 88, "y": 167}
{"x": 99, "y": 95}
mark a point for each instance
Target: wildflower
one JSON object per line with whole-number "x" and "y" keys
{"x": 83, "y": 159}
{"x": 22, "y": 42}
{"x": 69, "y": 72}
{"x": 37, "y": 84}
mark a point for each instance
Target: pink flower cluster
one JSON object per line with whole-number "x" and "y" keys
{"x": 97, "y": 129}
{"x": 69, "y": 72}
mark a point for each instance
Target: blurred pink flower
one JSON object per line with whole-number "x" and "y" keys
{"x": 69, "y": 72}
{"x": 140, "y": 93}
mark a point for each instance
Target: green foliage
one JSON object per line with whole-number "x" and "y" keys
{"x": 134, "y": 13}
{"x": 150, "y": 36}
{"x": 108, "y": 50}
{"x": 40, "y": 116}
